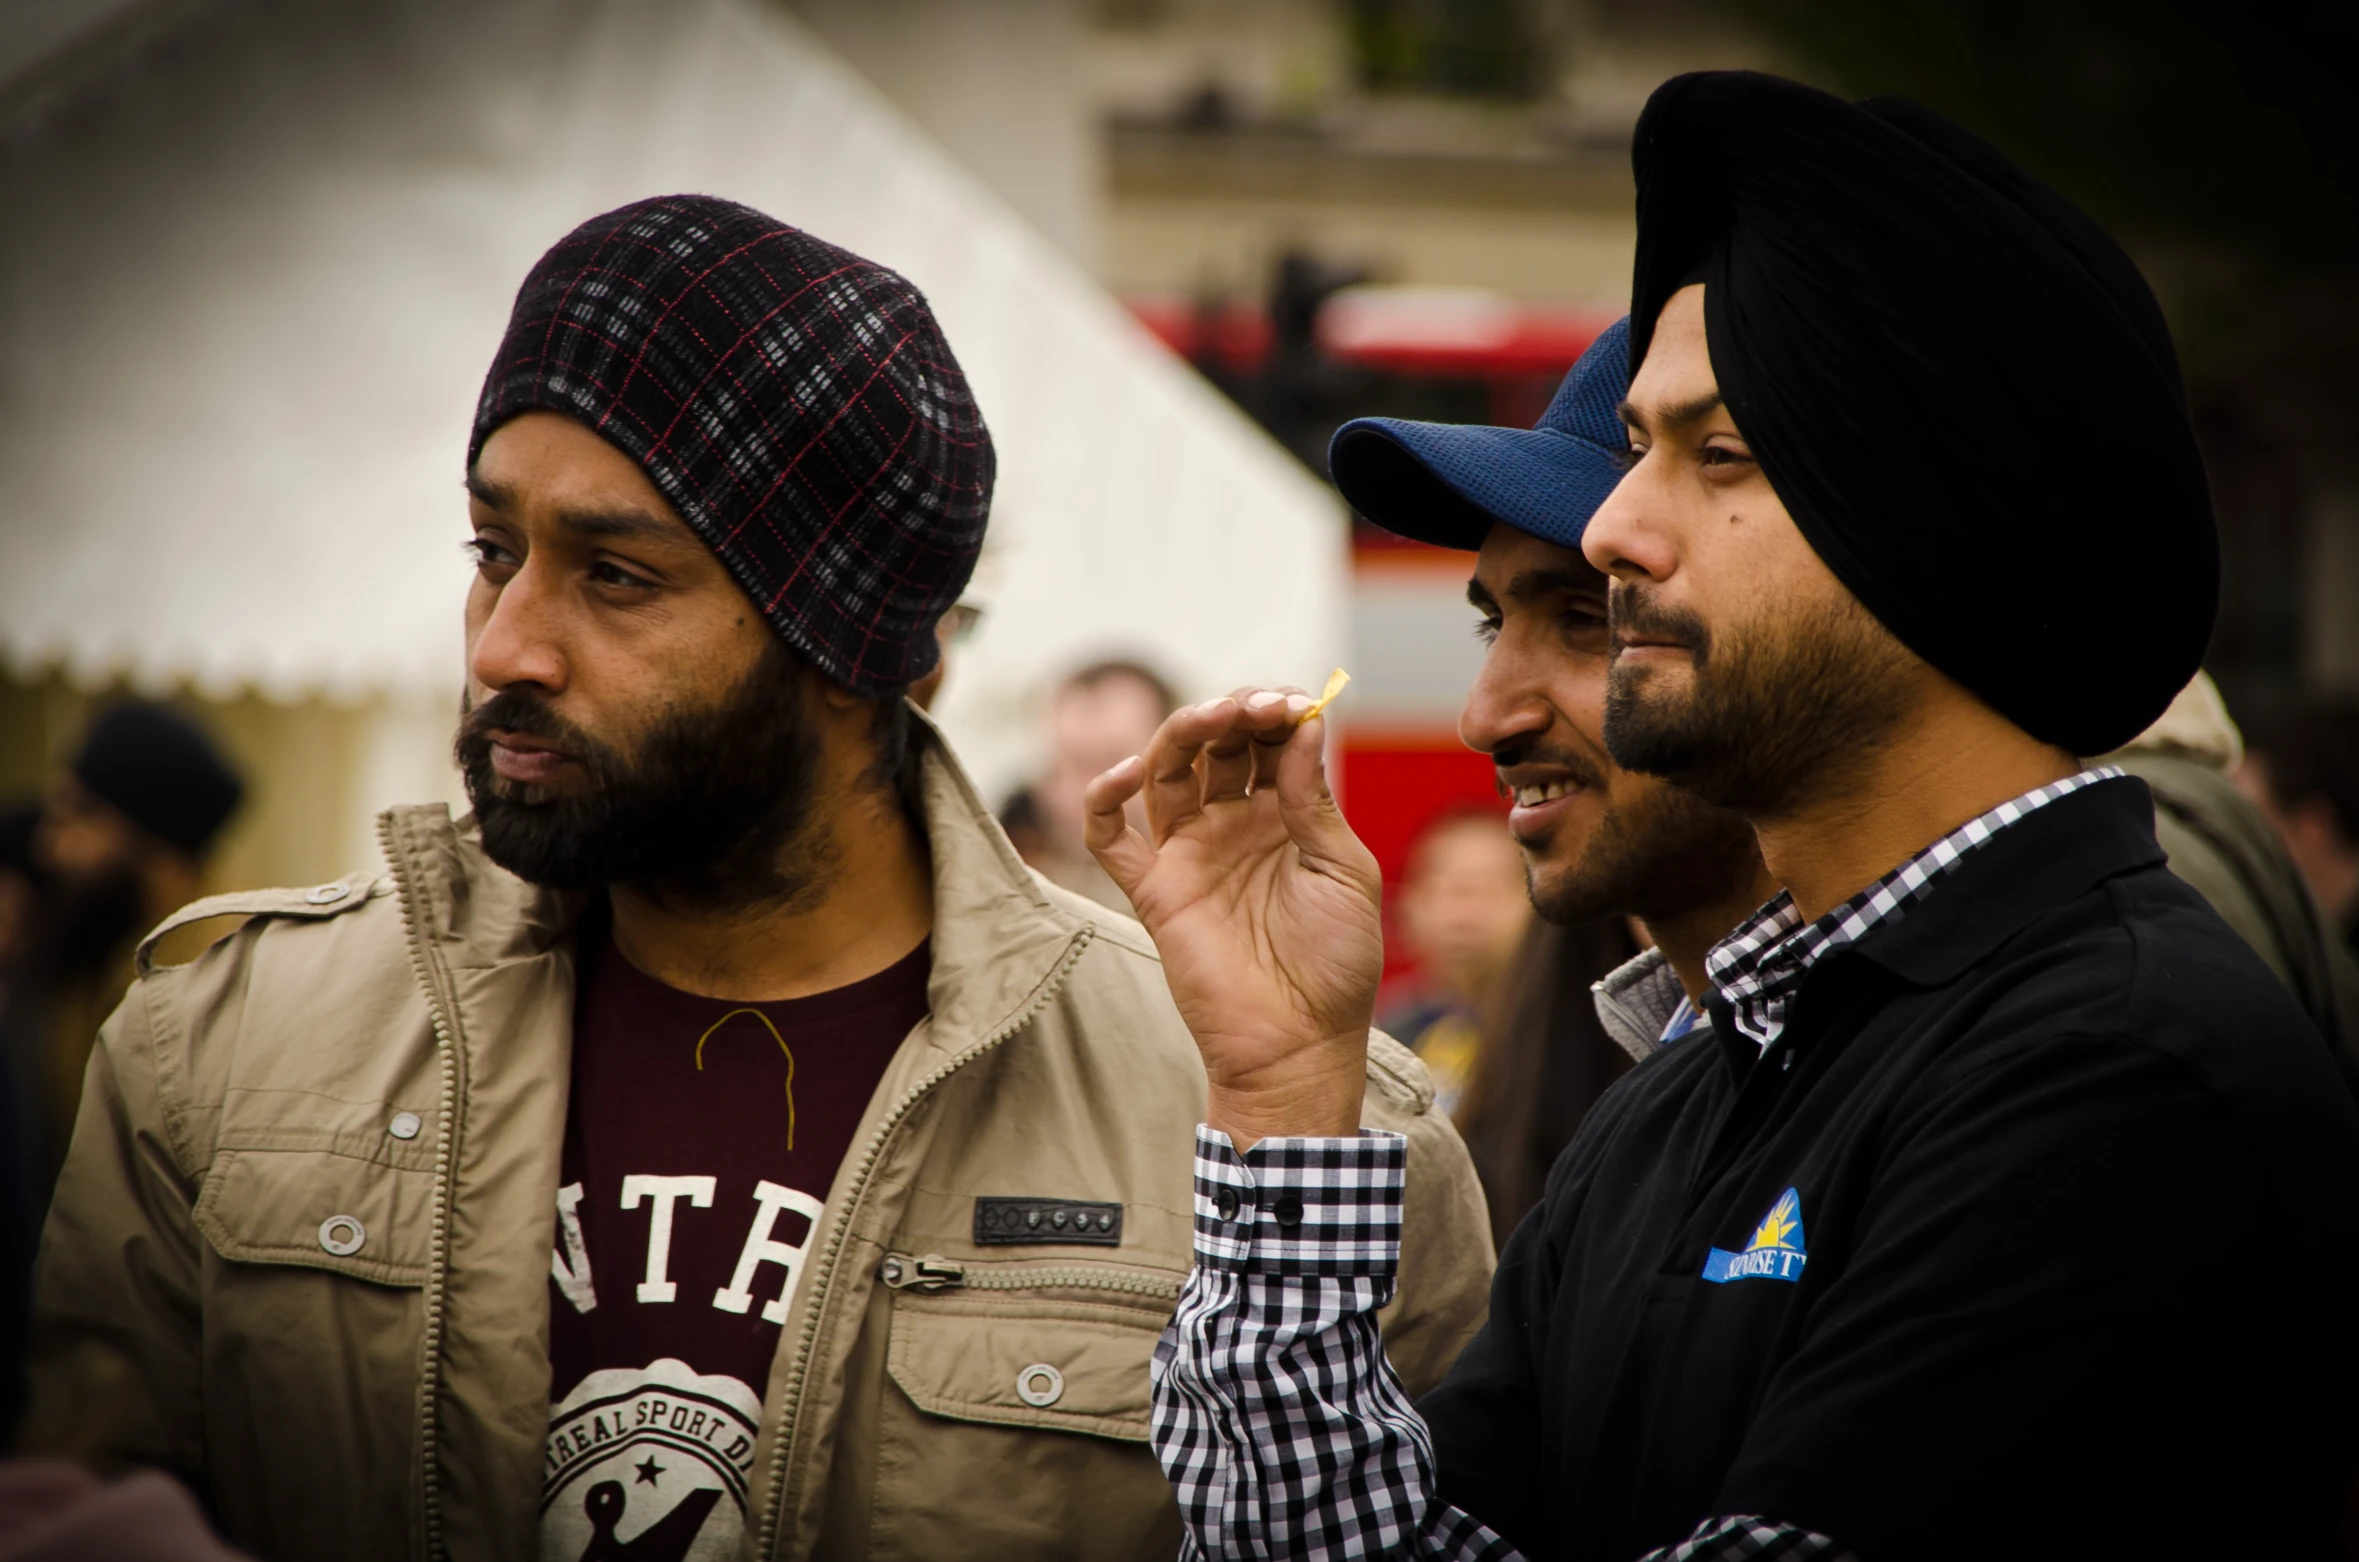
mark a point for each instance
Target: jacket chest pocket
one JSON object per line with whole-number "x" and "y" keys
{"x": 314, "y": 1305}
{"x": 319, "y": 1209}
{"x": 1070, "y": 1366}
{"x": 1016, "y": 1419}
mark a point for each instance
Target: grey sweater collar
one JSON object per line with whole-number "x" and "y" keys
{"x": 1635, "y": 1000}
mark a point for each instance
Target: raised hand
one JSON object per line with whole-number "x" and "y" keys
{"x": 1265, "y": 906}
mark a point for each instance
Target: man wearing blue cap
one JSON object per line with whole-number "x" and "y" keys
{"x": 1598, "y": 840}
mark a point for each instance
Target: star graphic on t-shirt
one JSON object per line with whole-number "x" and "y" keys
{"x": 648, "y": 1471}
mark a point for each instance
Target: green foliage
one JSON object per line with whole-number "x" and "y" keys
{"x": 1457, "y": 48}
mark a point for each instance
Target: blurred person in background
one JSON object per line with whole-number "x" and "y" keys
{"x": 2303, "y": 771}
{"x": 1095, "y": 716}
{"x": 2221, "y": 842}
{"x": 20, "y": 886}
{"x": 718, "y": 1144}
{"x": 1459, "y": 912}
{"x": 52, "y": 1510}
{"x": 1546, "y": 1058}
{"x": 19, "y": 889}
{"x": 121, "y": 843}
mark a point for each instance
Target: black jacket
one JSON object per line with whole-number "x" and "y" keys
{"x": 2076, "y": 1204}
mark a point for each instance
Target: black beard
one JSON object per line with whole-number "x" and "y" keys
{"x": 1666, "y": 853}
{"x": 1766, "y": 712}
{"x": 83, "y": 922}
{"x": 710, "y": 809}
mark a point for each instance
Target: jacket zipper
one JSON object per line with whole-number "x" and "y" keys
{"x": 933, "y": 1272}
{"x": 445, "y": 1179}
{"x": 789, "y": 1411}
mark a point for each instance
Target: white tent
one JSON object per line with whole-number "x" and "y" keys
{"x": 248, "y": 288}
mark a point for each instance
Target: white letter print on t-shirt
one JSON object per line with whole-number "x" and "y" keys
{"x": 664, "y": 1191}
{"x": 639, "y": 1459}
{"x": 762, "y": 1248}
{"x": 571, "y": 1268}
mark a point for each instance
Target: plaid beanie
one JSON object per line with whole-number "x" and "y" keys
{"x": 797, "y": 406}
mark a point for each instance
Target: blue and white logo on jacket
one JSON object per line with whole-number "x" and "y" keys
{"x": 1777, "y": 1251}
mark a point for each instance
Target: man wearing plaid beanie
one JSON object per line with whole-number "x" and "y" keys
{"x": 719, "y": 1144}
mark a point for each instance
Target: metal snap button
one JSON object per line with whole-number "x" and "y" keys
{"x": 342, "y": 1235}
{"x": 1288, "y": 1210}
{"x": 405, "y": 1125}
{"x": 327, "y": 894}
{"x": 1040, "y": 1385}
{"x": 1226, "y": 1202}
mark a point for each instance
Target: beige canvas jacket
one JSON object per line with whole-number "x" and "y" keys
{"x": 391, "y": 1400}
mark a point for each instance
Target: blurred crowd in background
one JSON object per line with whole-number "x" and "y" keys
{"x": 1328, "y": 208}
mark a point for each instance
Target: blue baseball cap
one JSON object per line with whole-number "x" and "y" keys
{"x": 1447, "y": 483}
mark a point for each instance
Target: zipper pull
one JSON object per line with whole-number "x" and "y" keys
{"x": 901, "y": 1272}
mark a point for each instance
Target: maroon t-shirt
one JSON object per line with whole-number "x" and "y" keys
{"x": 701, "y": 1138}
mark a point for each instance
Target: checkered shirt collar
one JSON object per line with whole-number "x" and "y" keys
{"x": 1756, "y": 968}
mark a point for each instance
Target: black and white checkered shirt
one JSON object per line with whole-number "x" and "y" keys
{"x": 1757, "y": 967}
{"x": 1281, "y": 1425}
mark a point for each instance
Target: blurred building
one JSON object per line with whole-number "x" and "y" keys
{"x": 256, "y": 253}
{"x": 255, "y": 261}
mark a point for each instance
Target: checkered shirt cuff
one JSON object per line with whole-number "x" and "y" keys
{"x": 1298, "y": 1206}
{"x": 1748, "y": 1537}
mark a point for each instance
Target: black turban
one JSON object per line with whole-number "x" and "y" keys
{"x": 161, "y": 771}
{"x": 1960, "y": 387}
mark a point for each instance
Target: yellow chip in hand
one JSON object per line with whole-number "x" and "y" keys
{"x": 1335, "y": 682}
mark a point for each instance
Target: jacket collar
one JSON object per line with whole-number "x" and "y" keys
{"x": 997, "y": 934}
{"x": 2019, "y": 875}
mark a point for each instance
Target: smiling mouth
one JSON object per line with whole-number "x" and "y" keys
{"x": 1544, "y": 792}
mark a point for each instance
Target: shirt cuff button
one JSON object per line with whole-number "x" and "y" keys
{"x": 1226, "y": 1202}
{"x": 1288, "y": 1210}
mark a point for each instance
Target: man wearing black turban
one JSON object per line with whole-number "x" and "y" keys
{"x": 2006, "y": 1208}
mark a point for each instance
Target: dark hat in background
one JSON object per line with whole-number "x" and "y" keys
{"x": 159, "y": 770}
{"x": 1447, "y": 483}
{"x": 796, "y": 404}
{"x": 17, "y": 825}
{"x": 1959, "y": 385}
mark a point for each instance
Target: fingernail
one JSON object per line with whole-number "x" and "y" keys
{"x": 1207, "y": 707}
{"x": 1264, "y": 700}
{"x": 1296, "y": 704}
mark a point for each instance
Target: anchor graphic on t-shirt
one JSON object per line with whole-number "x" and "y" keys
{"x": 666, "y": 1540}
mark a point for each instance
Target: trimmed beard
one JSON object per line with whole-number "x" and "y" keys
{"x": 710, "y": 808}
{"x": 1661, "y": 853}
{"x": 1766, "y": 711}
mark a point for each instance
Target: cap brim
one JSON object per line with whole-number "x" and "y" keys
{"x": 1449, "y": 483}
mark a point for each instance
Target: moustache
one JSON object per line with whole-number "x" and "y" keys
{"x": 1633, "y": 611}
{"x": 510, "y": 711}
{"x": 1582, "y": 767}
